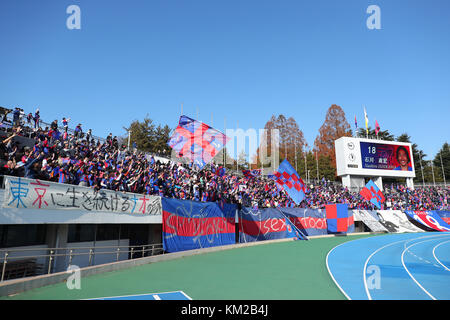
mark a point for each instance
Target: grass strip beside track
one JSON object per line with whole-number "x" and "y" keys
{"x": 292, "y": 270}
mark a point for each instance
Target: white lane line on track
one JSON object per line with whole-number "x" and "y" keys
{"x": 434, "y": 255}
{"x": 409, "y": 273}
{"x": 381, "y": 248}
{"x": 331, "y": 274}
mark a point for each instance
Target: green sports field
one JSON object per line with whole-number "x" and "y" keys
{"x": 290, "y": 270}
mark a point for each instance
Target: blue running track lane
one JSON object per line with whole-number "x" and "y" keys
{"x": 176, "y": 295}
{"x": 407, "y": 266}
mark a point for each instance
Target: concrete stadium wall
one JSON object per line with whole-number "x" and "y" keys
{"x": 11, "y": 287}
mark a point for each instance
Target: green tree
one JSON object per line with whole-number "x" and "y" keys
{"x": 441, "y": 163}
{"x": 382, "y": 134}
{"x": 421, "y": 166}
{"x": 149, "y": 137}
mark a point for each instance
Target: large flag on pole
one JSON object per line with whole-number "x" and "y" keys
{"x": 252, "y": 173}
{"x": 197, "y": 141}
{"x": 373, "y": 194}
{"x": 290, "y": 181}
{"x": 377, "y": 127}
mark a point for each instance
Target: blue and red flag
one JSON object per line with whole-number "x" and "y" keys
{"x": 197, "y": 141}
{"x": 373, "y": 194}
{"x": 287, "y": 178}
{"x": 252, "y": 173}
{"x": 220, "y": 171}
{"x": 265, "y": 224}
{"x": 338, "y": 218}
{"x": 310, "y": 222}
{"x": 189, "y": 225}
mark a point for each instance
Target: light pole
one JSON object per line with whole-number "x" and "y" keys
{"x": 421, "y": 168}
{"x": 432, "y": 171}
{"x": 443, "y": 173}
{"x": 317, "y": 167}
{"x": 129, "y": 137}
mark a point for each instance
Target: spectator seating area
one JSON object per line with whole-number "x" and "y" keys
{"x": 57, "y": 154}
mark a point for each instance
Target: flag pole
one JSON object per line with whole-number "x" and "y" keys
{"x": 306, "y": 166}
{"x": 295, "y": 145}
{"x": 421, "y": 168}
{"x": 317, "y": 166}
{"x": 432, "y": 171}
{"x": 225, "y": 148}
{"x": 442, "y": 165}
{"x": 237, "y": 147}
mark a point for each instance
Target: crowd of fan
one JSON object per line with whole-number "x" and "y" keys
{"x": 77, "y": 158}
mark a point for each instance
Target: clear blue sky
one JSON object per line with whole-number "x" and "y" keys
{"x": 243, "y": 60}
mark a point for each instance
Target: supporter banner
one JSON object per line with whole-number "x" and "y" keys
{"x": 264, "y": 224}
{"x": 25, "y": 193}
{"x": 396, "y": 221}
{"x": 311, "y": 222}
{"x": 445, "y": 215}
{"x": 370, "y": 219}
{"x": 429, "y": 219}
{"x": 338, "y": 218}
{"x": 189, "y": 225}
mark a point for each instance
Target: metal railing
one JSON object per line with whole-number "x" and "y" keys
{"x": 13, "y": 267}
{"x": 41, "y": 124}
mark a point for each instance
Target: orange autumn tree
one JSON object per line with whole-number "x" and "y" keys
{"x": 334, "y": 127}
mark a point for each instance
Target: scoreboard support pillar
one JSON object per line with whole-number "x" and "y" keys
{"x": 353, "y": 183}
{"x": 379, "y": 182}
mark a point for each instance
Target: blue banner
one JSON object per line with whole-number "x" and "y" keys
{"x": 189, "y": 225}
{"x": 265, "y": 224}
{"x": 313, "y": 222}
{"x": 430, "y": 219}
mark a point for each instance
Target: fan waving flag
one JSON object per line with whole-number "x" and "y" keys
{"x": 252, "y": 173}
{"x": 290, "y": 181}
{"x": 197, "y": 141}
{"x": 220, "y": 171}
{"x": 373, "y": 194}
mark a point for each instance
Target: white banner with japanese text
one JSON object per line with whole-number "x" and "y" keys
{"x": 23, "y": 193}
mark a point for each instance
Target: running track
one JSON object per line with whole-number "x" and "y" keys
{"x": 412, "y": 266}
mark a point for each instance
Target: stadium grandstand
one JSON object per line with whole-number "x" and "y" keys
{"x": 52, "y": 153}
{"x": 40, "y": 237}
